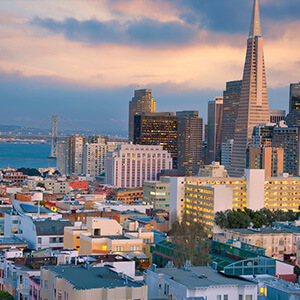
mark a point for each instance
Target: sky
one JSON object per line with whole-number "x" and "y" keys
{"x": 83, "y": 59}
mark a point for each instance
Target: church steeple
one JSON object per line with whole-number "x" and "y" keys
{"x": 255, "y": 28}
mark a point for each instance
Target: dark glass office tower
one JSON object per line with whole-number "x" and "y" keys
{"x": 190, "y": 128}
{"x": 157, "y": 129}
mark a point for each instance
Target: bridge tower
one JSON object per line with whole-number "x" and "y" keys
{"x": 54, "y": 138}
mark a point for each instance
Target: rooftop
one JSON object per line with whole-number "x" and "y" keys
{"x": 5, "y": 239}
{"x": 93, "y": 278}
{"x": 201, "y": 277}
{"x": 112, "y": 237}
{"x": 267, "y": 230}
{"x": 62, "y": 222}
{"x": 27, "y": 208}
{"x": 276, "y": 283}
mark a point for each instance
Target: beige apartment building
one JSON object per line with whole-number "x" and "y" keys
{"x": 276, "y": 241}
{"x": 200, "y": 197}
{"x": 78, "y": 282}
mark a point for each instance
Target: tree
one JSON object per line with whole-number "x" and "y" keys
{"x": 29, "y": 172}
{"x": 263, "y": 217}
{"x": 41, "y": 184}
{"x": 189, "y": 240}
{"x": 6, "y": 296}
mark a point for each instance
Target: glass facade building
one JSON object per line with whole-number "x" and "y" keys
{"x": 157, "y": 129}
{"x": 190, "y": 128}
{"x": 294, "y": 96}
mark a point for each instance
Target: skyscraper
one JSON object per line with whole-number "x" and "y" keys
{"x": 287, "y": 138}
{"x": 294, "y": 96}
{"x": 75, "y": 151}
{"x": 253, "y": 105}
{"x": 158, "y": 129}
{"x": 231, "y": 98}
{"x": 214, "y": 129}
{"x": 190, "y": 128}
{"x": 142, "y": 102}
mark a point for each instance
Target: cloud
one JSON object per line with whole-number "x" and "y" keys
{"x": 142, "y": 32}
{"x": 233, "y": 16}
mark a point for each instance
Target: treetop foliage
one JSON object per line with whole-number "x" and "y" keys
{"x": 242, "y": 218}
{"x": 189, "y": 238}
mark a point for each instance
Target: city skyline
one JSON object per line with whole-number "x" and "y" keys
{"x": 83, "y": 61}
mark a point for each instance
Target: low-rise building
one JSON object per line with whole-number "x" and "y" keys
{"x": 197, "y": 283}
{"x": 128, "y": 195}
{"x": 101, "y": 235}
{"x": 38, "y": 226}
{"x": 276, "y": 241}
{"x": 82, "y": 282}
{"x": 16, "y": 273}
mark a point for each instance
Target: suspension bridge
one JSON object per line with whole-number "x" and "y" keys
{"x": 36, "y": 132}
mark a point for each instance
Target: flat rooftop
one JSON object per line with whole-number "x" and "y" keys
{"x": 202, "y": 277}
{"x": 27, "y": 208}
{"x": 93, "y": 278}
{"x": 267, "y": 230}
{"x": 10, "y": 240}
{"x": 276, "y": 283}
{"x": 112, "y": 237}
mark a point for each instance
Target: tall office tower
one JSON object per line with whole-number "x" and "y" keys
{"x": 75, "y": 150}
{"x": 288, "y": 138}
{"x": 214, "y": 129}
{"x": 231, "y": 98}
{"x": 294, "y": 96}
{"x": 142, "y": 102}
{"x": 226, "y": 153}
{"x": 157, "y": 129}
{"x": 62, "y": 158}
{"x": 268, "y": 158}
{"x": 254, "y": 105}
{"x": 205, "y": 131}
{"x": 277, "y": 115}
{"x": 130, "y": 165}
{"x": 190, "y": 129}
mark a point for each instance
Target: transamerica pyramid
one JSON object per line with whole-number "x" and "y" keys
{"x": 254, "y": 105}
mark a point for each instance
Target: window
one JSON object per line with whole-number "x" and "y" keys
{"x": 166, "y": 289}
{"x": 225, "y": 297}
{"x": 39, "y": 240}
{"x": 240, "y": 297}
{"x": 219, "y": 297}
{"x": 249, "y": 297}
{"x": 45, "y": 284}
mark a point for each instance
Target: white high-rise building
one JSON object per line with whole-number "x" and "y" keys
{"x": 94, "y": 156}
{"x": 129, "y": 165}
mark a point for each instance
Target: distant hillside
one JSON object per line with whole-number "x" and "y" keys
{"x": 7, "y": 129}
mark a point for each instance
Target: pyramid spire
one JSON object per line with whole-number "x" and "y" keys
{"x": 253, "y": 103}
{"x": 255, "y": 28}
